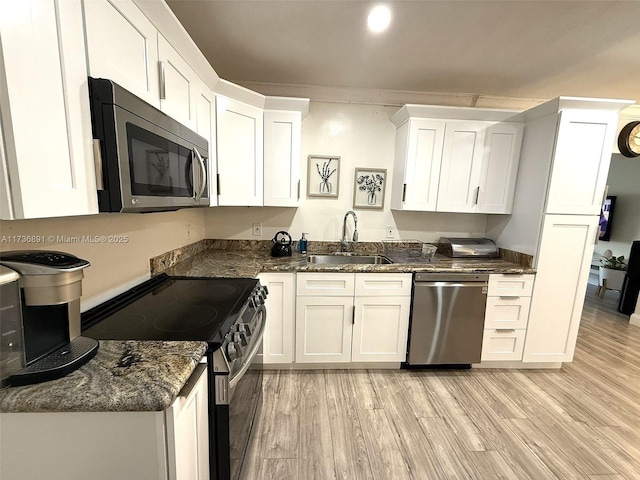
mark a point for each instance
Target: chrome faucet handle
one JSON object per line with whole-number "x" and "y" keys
{"x": 345, "y": 245}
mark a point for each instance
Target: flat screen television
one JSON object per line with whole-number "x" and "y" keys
{"x": 606, "y": 218}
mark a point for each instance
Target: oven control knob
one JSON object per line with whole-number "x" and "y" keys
{"x": 240, "y": 338}
{"x": 233, "y": 351}
{"x": 244, "y": 328}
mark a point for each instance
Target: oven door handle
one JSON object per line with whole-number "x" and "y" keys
{"x": 247, "y": 359}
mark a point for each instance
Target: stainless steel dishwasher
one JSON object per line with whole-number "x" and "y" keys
{"x": 447, "y": 319}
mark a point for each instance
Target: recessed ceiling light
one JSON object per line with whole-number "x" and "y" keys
{"x": 379, "y": 18}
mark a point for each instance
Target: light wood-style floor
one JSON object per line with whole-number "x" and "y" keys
{"x": 579, "y": 422}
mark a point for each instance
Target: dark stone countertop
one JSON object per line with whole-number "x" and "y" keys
{"x": 247, "y": 263}
{"x": 123, "y": 376}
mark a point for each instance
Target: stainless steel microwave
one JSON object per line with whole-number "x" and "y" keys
{"x": 145, "y": 160}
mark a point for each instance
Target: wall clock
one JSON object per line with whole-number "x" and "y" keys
{"x": 629, "y": 139}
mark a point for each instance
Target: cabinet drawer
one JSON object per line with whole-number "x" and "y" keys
{"x": 383, "y": 284}
{"x": 511, "y": 285}
{"x": 325, "y": 284}
{"x": 502, "y": 344}
{"x": 507, "y": 312}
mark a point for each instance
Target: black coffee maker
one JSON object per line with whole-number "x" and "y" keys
{"x": 50, "y": 289}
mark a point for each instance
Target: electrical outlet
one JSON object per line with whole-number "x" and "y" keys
{"x": 257, "y": 229}
{"x": 391, "y": 231}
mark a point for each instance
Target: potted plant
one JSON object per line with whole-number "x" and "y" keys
{"x": 611, "y": 274}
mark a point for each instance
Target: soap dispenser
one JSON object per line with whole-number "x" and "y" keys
{"x": 302, "y": 244}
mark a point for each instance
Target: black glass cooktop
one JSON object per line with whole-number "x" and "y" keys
{"x": 171, "y": 308}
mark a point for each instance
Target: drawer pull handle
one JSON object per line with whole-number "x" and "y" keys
{"x": 506, "y": 330}
{"x": 511, "y": 297}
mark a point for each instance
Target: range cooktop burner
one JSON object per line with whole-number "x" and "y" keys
{"x": 171, "y": 308}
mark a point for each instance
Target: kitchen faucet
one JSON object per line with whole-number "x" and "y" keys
{"x": 345, "y": 245}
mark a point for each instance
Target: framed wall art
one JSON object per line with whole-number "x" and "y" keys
{"x": 369, "y": 188}
{"x": 323, "y": 176}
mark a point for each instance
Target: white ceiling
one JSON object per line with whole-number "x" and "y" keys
{"x": 520, "y": 49}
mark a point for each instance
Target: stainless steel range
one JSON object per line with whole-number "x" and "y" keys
{"x": 230, "y": 315}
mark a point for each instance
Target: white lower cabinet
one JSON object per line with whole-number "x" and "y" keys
{"x": 324, "y": 329}
{"x": 506, "y": 317}
{"x": 380, "y": 329}
{"x": 564, "y": 261}
{"x": 278, "y": 341}
{"x": 502, "y": 344}
{"x": 335, "y": 326}
{"x": 168, "y": 445}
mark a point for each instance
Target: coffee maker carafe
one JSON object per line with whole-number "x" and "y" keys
{"x": 50, "y": 287}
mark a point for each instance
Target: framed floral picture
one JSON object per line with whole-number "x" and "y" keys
{"x": 323, "y": 176}
{"x": 369, "y": 187}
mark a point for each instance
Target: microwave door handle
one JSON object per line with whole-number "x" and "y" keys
{"x": 203, "y": 175}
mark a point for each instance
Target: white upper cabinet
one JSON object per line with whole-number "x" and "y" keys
{"x": 416, "y": 170}
{"x": 205, "y": 125}
{"x": 178, "y": 85}
{"x": 122, "y": 45}
{"x": 499, "y": 167}
{"x": 581, "y": 162}
{"x": 459, "y": 184}
{"x": 282, "y": 135}
{"x": 240, "y": 153}
{"x": 46, "y": 152}
{"x": 458, "y": 160}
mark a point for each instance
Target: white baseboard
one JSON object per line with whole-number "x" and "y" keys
{"x": 634, "y": 319}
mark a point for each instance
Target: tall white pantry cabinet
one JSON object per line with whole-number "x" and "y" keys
{"x": 564, "y": 164}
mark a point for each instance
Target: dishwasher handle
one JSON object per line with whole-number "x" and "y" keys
{"x": 450, "y": 277}
{"x": 447, "y": 284}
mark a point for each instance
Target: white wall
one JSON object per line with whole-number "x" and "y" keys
{"x": 624, "y": 182}
{"x": 363, "y": 136}
{"x": 114, "y": 266}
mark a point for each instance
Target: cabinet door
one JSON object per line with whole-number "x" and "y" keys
{"x": 507, "y": 312}
{"x": 563, "y": 267}
{"x": 502, "y": 344}
{"x": 499, "y": 168}
{"x": 581, "y": 162}
{"x": 178, "y": 85}
{"x": 380, "y": 329}
{"x": 282, "y": 134}
{"x": 277, "y": 344}
{"x": 240, "y": 166}
{"x": 122, "y": 45}
{"x": 422, "y": 156}
{"x": 323, "y": 329}
{"x": 459, "y": 186}
{"x": 188, "y": 430}
{"x": 47, "y": 158}
{"x": 205, "y": 118}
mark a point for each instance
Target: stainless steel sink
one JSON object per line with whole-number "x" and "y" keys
{"x": 349, "y": 259}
